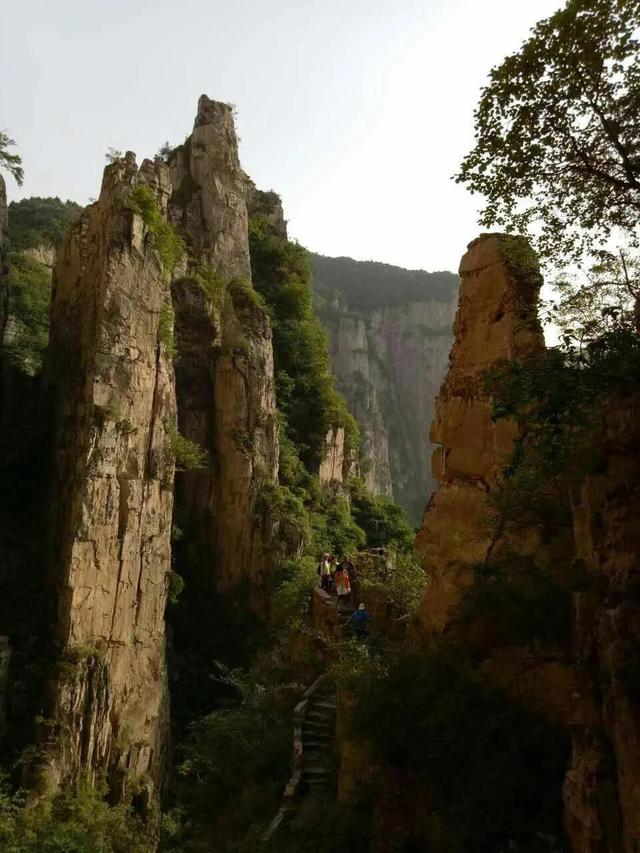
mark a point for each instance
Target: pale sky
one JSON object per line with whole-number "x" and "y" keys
{"x": 356, "y": 111}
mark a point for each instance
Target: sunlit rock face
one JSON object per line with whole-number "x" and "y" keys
{"x": 496, "y": 320}
{"x": 389, "y": 352}
{"x": 112, "y": 386}
{"x": 602, "y": 788}
{"x": 225, "y": 387}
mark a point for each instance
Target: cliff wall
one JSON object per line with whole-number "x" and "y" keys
{"x": 389, "y": 361}
{"x": 113, "y": 404}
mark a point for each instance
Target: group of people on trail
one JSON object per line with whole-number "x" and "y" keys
{"x": 336, "y": 576}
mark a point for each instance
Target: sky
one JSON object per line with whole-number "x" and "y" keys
{"x": 357, "y": 112}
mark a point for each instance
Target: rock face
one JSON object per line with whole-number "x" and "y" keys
{"x": 389, "y": 361}
{"x": 113, "y": 389}
{"x": 602, "y": 788}
{"x": 496, "y": 320}
{"x": 333, "y": 461}
{"x": 225, "y": 388}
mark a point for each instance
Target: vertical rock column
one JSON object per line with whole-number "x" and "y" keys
{"x": 496, "y": 320}
{"x": 225, "y": 388}
{"x": 113, "y": 389}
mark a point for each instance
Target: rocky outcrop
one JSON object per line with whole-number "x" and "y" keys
{"x": 113, "y": 402}
{"x": 225, "y": 389}
{"x": 602, "y": 788}
{"x": 389, "y": 361}
{"x": 333, "y": 460}
{"x": 496, "y": 320}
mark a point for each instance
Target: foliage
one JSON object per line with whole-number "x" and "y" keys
{"x": 365, "y": 285}
{"x": 280, "y": 502}
{"x": 557, "y": 396}
{"x": 79, "y": 821}
{"x": 235, "y": 762}
{"x": 113, "y": 155}
{"x": 188, "y": 455}
{"x": 601, "y": 300}
{"x": 39, "y": 221}
{"x": 212, "y": 283}
{"x": 164, "y": 153}
{"x": 322, "y": 826}
{"x": 10, "y": 161}
{"x": 166, "y": 330}
{"x": 175, "y": 585}
{"x": 29, "y": 296}
{"x": 305, "y": 388}
{"x": 494, "y": 771}
{"x": 241, "y": 289}
{"x": 525, "y": 604}
{"x": 168, "y": 243}
{"x": 558, "y": 133}
{"x": 333, "y": 527}
{"x": 384, "y": 522}
{"x": 291, "y": 600}
{"x": 403, "y": 588}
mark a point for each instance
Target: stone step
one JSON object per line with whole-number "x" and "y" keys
{"x": 321, "y": 715}
{"x": 315, "y": 771}
{"x": 317, "y": 743}
{"x": 330, "y": 706}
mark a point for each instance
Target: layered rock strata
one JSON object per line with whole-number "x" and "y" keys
{"x": 496, "y": 320}
{"x": 225, "y": 388}
{"x": 113, "y": 409}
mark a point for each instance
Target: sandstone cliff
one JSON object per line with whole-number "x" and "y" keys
{"x": 496, "y": 320}
{"x": 389, "y": 354}
{"x": 113, "y": 390}
{"x": 224, "y": 376}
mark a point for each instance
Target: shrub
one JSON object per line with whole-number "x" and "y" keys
{"x": 72, "y": 821}
{"x": 168, "y": 243}
{"x": 188, "y": 455}
{"x": 166, "y": 331}
{"x": 212, "y": 283}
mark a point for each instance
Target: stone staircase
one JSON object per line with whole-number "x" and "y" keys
{"x": 313, "y": 750}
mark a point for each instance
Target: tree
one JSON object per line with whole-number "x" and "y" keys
{"x": 11, "y": 162}
{"x": 558, "y": 132}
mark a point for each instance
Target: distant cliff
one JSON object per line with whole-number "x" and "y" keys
{"x": 390, "y": 333}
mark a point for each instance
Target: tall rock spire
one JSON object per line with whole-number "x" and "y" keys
{"x": 496, "y": 320}
{"x": 225, "y": 387}
{"x": 113, "y": 391}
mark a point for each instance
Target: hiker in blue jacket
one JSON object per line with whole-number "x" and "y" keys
{"x": 358, "y": 623}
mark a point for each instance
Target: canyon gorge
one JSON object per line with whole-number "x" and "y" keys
{"x": 304, "y": 554}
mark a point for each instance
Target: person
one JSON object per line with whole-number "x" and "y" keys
{"x": 324, "y": 570}
{"x": 359, "y": 622}
{"x": 342, "y": 580}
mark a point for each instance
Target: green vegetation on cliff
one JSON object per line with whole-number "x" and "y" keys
{"x": 305, "y": 386}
